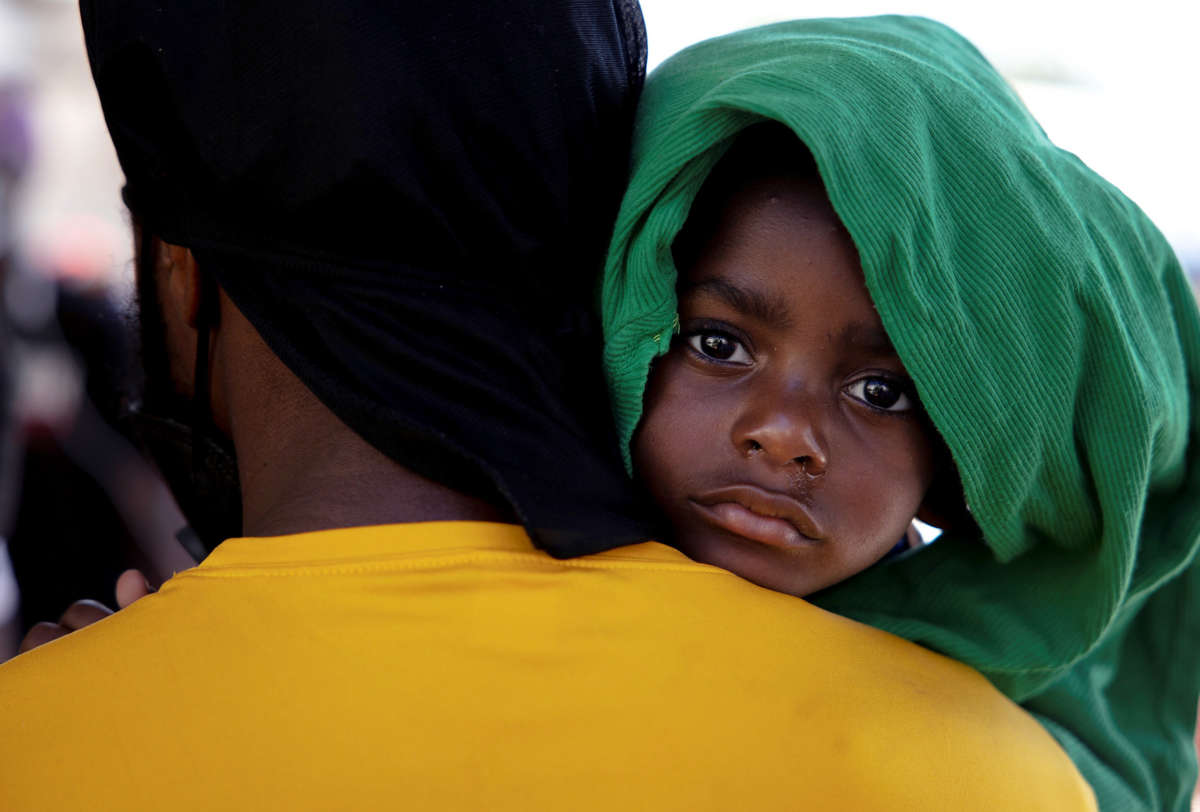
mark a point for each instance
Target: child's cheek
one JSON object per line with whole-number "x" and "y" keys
{"x": 651, "y": 440}
{"x": 679, "y": 434}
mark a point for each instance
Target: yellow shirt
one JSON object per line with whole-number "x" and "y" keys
{"x": 451, "y": 666}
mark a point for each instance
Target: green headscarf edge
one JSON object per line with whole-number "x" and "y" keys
{"x": 1108, "y": 528}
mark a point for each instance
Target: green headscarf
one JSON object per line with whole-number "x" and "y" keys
{"x": 1053, "y": 340}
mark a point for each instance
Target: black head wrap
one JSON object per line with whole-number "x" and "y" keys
{"x": 410, "y": 202}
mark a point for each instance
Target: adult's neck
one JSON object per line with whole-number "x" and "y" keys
{"x": 314, "y": 473}
{"x": 301, "y": 467}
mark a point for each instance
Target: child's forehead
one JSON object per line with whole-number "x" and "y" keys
{"x": 788, "y": 201}
{"x": 763, "y": 160}
{"x": 772, "y": 214}
{"x": 780, "y": 256}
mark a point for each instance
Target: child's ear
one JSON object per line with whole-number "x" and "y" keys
{"x": 932, "y": 516}
{"x": 945, "y": 506}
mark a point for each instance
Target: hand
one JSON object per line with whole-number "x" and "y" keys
{"x": 131, "y": 586}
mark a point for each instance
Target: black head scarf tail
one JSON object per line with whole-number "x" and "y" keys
{"x": 410, "y": 202}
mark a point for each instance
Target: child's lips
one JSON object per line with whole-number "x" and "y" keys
{"x": 759, "y": 515}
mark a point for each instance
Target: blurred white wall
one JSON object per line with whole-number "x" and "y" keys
{"x": 69, "y": 211}
{"x": 1115, "y": 83}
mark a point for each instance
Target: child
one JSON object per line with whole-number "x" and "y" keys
{"x": 782, "y": 436}
{"x": 1041, "y": 321}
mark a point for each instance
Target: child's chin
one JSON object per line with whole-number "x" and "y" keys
{"x": 791, "y": 571}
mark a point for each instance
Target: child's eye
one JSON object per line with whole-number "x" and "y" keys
{"x": 719, "y": 346}
{"x": 881, "y": 393}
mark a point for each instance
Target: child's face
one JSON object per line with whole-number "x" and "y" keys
{"x": 782, "y": 436}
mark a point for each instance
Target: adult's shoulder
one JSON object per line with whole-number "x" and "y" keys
{"x": 498, "y": 677}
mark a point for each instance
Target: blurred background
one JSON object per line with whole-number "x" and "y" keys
{"x": 77, "y": 503}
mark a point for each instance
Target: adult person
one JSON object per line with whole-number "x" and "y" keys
{"x": 370, "y": 234}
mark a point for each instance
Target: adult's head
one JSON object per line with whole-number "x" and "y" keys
{"x": 409, "y": 204}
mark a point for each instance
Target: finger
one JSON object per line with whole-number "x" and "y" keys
{"x": 43, "y": 632}
{"x": 83, "y": 613}
{"x": 131, "y": 586}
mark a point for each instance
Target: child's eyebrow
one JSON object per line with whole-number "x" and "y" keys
{"x": 749, "y": 302}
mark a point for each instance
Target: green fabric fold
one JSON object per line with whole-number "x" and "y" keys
{"x": 1053, "y": 340}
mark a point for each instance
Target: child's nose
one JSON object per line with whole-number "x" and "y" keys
{"x": 786, "y": 432}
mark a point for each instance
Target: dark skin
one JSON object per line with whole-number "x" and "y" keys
{"x": 782, "y": 436}
{"x": 302, "y": 469}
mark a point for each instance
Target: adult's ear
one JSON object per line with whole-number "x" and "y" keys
{"x": 170, "y": 282}
{"x": 179, "y": 281}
